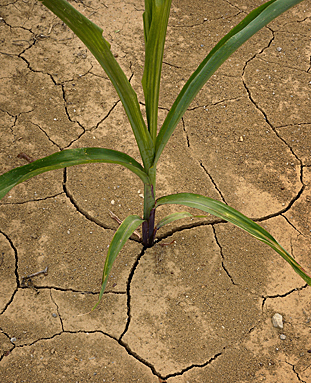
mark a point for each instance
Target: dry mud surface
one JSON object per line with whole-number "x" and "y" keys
{"x": 200, "y": 309}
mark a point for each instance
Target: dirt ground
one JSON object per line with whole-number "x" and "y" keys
{"x": 199, "y": 310}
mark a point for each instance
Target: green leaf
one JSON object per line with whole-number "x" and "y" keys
{"x": 91, "y": 35}
{"x": 256, "y": 20}
{"x": 155, "y": 24}
{"x": 173, "y": 217}
{"x": 221, "y": 210}
{"x": 125, "y": 230}
{"x": 68, "y": 158}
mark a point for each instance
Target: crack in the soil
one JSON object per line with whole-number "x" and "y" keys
{"x": 57, "y": 309}
{"x": 225, "y": 100}
{"x": 223, "y": 258}
{"x": 128, "y": 293}
{"x": 78, "y": 137}
{"x": 187, "y": 227}
{"x": 63, "y": 95}
{"x": 15, "y": 271}
{"x": 283, "y": 65}
{"x": 261, "y": 110}
{"x": 6, "y": 352}
{"x": 280, "y": 212}
{"x": 282, "y": 295}
{"x": 45, "y": 133}
{"x": 11, "y": 126}
{"x": 213, "y": 182}
{"x": 235, "y": 6}
{"x": 80, "y": 210}
{"x": 108, "y": 114}
{"x": 31, "y": 200}
{"x": 134, "y": 354}
{"x": 66, "y": 103}
{"x": 212, "y": 359}
{"x": 291, "y": 125}
{"x": 206, "y": 20}
{"x": 288, "y": 221}
{"x": 295, "y": 372}
{"x": 201, "y": 163}
{"x": 185, "y": 131}
{"x": 77, "y": 207}
{"x": 152, "y": 368}
{"x": 64, "y": 99}
{"x": 120, "y": 342}
{"x": 66, "y": 289}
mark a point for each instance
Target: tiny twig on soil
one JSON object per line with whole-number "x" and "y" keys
{"x": 25, "y": 157}
{"x": 28, "y": 277}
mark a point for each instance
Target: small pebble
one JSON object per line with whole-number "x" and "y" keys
{"x": 13, "y": 339}
{"x": 282, "y": 336}
{"x": 277, "y": 320}
{"x": 279, "y": 49}
{"x": 54, "y": 315}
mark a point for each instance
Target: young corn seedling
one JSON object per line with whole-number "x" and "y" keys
{"x": 150, "y": 141}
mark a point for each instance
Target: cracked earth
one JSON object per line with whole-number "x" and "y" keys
{"x": 200, "y": 309}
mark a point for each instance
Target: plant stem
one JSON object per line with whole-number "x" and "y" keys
{"x": 149, "y": 210}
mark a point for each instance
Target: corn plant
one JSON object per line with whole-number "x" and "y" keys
{"x": 150, "y": 141}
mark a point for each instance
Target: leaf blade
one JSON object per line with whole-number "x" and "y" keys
{"x": 173, "y": 217}
{"x": 221, "y": 210}
{"x": 155, "y": 25}
{"x": 125, "y": 230}
{"x": 253, "y": 22}
{"x": 91, "y": 35}
{"x": 66, "y": 158}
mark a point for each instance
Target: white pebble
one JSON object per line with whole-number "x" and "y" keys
{"x": 277, "y": 320}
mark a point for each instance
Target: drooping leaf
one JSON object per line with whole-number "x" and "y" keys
{"x": 65, "y": 159}
{"x": 91, "y": 35}
{"x": 155, "y": 24}
{"x": 252, "y": 23}
{"x": 221, "y": 210}
{"x": 125, "y": 230}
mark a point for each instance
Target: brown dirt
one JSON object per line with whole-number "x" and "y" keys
{"x": 196, "y": 311}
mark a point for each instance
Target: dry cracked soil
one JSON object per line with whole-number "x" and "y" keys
{"x": 200, "y": 309}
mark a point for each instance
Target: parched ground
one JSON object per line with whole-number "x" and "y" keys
{"x": 200, "y": 309}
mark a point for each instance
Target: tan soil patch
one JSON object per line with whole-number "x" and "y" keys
{"x": 196, "y": 311}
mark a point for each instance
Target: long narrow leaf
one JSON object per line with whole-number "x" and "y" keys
{"x": 125, "y": 230}
{"x": 221, "y": 210}
{"x": 173, "y": 217}
{"x": 91, "y": 35}
{"x": 256, "y": 20}
{"x": 65, "y": 159}
{"x": 155, "y": 24}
